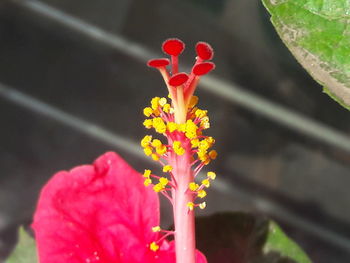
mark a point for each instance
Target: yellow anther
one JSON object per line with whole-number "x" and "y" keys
{"x": 147, "y": 173}
{"x": 190, "y": 206}
{"x": 155, "y": 103}
{"x": 166, "y": 108}
{"x": 156, "y": 143}
{"x": 163, "y": 181}
{"x": 204, "y": 158}
{"x": 147, "y": 111}
{"x": 206, "y": 161}
{"x": 191, "y": 129}
{"x": 202, "y": 155}
{"x": 148, "y": 150}
{"x": 153, "y": 246}
{"x": 203, "y": 145}
{"x": 206, "y": 183}
{"x": 172, "y": 126}
{"x": 202, "y": 150}
{"x": 167, "y": 168}
{"x": 161, "y": 149}
{"x": 162, "y": 101}
{"x": 156, "y": 229}
{"x": 201, "y": 113}
{"x": 198, "y": 113}
{"x": 191, "y": 134}
{"x": 181, "y": 127}
{"x": 205, "y": 119}
{"x": 156, "y": 112}
{"x": 193, "y": 186}
{"x": 193, "y": 101}
{"x": 205, "y": 124}
{"x": 190, "y": 123}
{"x": 202, "y": 205}
{"x": 178, "y": 149}
{"x": 210, "y": 140}
{"x": 146, "y": 140}
{"x": 195, "y": 143}
{"x": 147, "y": 182}
{"x": 211, "y": 175}
{"x": 169, "y": 96}
{"x": 148, "y": 123}
{"x": 161, "y": 128}
{"x": 159, "y": 125}
{"x": 155, "y": 157}
{"x": 158, "y": 187}
{"x": 213, "y": 154}
{"x": 202, "y": 193}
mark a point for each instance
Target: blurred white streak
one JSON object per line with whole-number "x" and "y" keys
{"x": 69, "y": 120}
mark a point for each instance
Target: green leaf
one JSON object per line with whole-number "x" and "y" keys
{"x": 25, "y": 251}
{"x": 278, "y": 241}
{"x": 318, "y": 35}
{"x": 245, "y": 238}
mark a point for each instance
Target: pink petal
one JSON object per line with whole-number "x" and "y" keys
{"x": 98, "y": 213}
{"x": 200, "y": 258}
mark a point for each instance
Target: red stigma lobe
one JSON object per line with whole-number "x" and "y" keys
{"x": 204, "y": 51}
{"x": 178, "y": 79}
{"x": 203, "y": 68}
{"x": 158, "y": 63}
{"x": 173, "y": 46}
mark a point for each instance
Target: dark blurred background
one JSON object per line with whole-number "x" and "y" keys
{"x": 73, "y": 83}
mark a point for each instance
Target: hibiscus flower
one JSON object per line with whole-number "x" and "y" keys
{"x": 108, "y": 212}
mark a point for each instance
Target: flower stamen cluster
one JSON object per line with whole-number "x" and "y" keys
{"x": 186, "y": 150}
{"x": 181, "y": 137}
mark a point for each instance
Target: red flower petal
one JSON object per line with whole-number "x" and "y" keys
{"x": 203, "y": 68}
{"x": 159, "y": 62}
{"x": 178, "y": 79}
{"x": 98, "y": 213}
{"x": 204, "y": 51}
{"x": 173, "y": 46}
{"x": 200, "y": 258}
